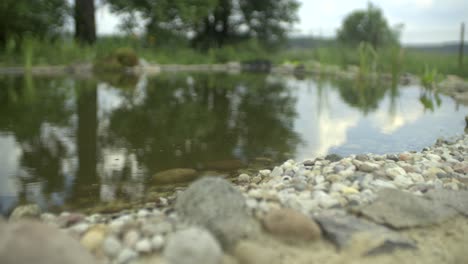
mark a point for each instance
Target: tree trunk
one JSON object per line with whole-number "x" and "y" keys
{"x": 85, "y": 27}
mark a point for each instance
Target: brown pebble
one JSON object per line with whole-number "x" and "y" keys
{"x": 291, "y": 224}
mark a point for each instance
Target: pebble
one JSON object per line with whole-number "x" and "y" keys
{"x": 93, "y": 238}
{"x": 143, "y": 246}
{"x": 126, "y": 255}
{"x": 402, "y": 181}
{"x": 79, "y": 228}
{"x": 243, "y": 178}
{"x": 111, "y": 246}
{"x": 291, "y": 225}
{"x": 393, "y": 172}
{"x": 256, "y": 179}
{"x": 157, "y": 242}
{"x": 368, "y": 167}
{"x": 25, "y": 211}
{"x": 383, "y": 184}
{"x": 131, "y": 237}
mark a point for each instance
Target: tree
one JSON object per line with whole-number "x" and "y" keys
{"x": 85, "y": 25}
{"x": 368, "y": 26}
{"x": 40, "y": 18}
{"x": 215, "y": 23}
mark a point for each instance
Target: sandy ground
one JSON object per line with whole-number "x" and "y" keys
{"x": 443, "y": 243}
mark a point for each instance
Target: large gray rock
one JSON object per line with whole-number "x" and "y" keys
{"x": 27, "y": 241}
{"x": 193, "y": 246}
{"x": 457, "y": 200}
{"x": 218, "y": 206}
{"x": 400, "y": 209}
{"x": 25, "y": 211}
{"x": 347, "y": 230}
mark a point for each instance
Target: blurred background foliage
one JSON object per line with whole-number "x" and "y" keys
{"x": 208, "y": 31}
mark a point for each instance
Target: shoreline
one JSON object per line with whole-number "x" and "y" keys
{"x": 452, "y": 85}
{"x": 296, "y": 201}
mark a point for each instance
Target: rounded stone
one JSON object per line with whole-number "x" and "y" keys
{"x": 157, "y": 242}
{"x": 218, "y": 206}
{"x": 193, "y": 245}
{"x": 111, "y": 246}
{"x": 243, "y": 178}
{"x": 93, "y": 238}
{"x": 131, "y": 238}
{"x": 126, "y": 255}
{"x": 291, "y": 225}
{"x": 368, "y": 166}
{"x": 393, "y": 172}
{"x": 26, "y": 211}
{"x": 143, "y": 246}
{"x": 264, "y": 173}
{"x": 79, "y": 228}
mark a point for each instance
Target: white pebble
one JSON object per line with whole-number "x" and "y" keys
{"x": 111, "y": 246}
{"x": 79, "y": 228}
{"x": 143, "y": 246}
{"x": 126, "y": 255}
{"x": 243, "y": 177}
{"x": 265, "y": 173}
{"x": 142, "y": 213}
{"x": 131, "y": 238}
{"x": 157, "y": 242}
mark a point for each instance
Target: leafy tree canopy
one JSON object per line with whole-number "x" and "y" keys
{"x": 43, "y": 18}
{"x": 368, "y": 26}
{"x": 214, "y": 23}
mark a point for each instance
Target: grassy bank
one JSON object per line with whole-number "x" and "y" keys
{"x": 385, "y": 60}
{"x": 33, "y": 52}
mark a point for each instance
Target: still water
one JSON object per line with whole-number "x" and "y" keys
{"x": 69, "y": 143}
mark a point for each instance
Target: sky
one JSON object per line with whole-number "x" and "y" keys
{"x": 425, "y": 21}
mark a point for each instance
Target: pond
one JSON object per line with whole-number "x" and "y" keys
{"x": 72, "y": 143}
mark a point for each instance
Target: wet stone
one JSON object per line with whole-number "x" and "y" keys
{"x": 346, "y": 230}
{"x": 333, "y": 157}
{"x": 362, "y": 157}
{"x": 392, "y": 157}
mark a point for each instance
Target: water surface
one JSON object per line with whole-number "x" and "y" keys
{"x": 71, "y": 142}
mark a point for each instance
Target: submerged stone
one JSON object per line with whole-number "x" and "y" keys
{"x": 333, "y": 157}
{"x": 227, "y": 165}
{"x": 175, "y": 176}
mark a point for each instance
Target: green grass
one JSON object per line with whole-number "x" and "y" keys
{"x": 389, "y": 60}
{"x": 34, "y": 52}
